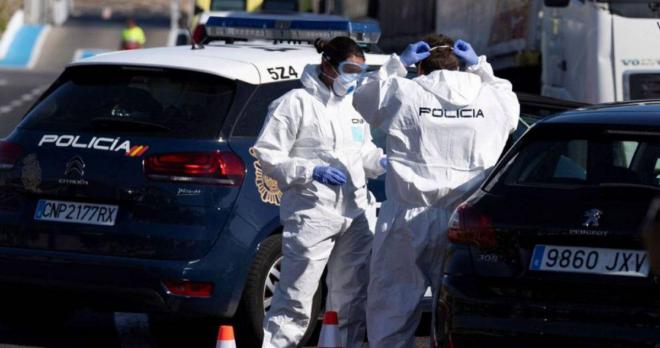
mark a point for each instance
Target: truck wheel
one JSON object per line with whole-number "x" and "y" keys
{"x": 258, "y": 294}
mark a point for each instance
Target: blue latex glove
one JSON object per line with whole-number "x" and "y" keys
{"x": 329, "y": 175}
{"x": 383, "y": 162}
{"x": 415, "y": 52}
{"x": 465, "y": 53}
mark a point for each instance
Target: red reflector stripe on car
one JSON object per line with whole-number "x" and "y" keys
{"x": 188, "y": 288}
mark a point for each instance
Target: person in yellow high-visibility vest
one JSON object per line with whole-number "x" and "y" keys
{"x": 132, "y": 37}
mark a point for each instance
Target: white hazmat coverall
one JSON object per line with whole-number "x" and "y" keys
{"x": 445, "y": 130}
{"x": 323, "y": 224}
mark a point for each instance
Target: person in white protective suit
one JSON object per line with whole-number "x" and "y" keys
{"x": 319, "y": 149}
{"x": 445, "y": 130}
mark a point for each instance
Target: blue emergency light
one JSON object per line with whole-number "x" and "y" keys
{"x": 299, "y": 27}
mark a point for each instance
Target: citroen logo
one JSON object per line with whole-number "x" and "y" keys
{"x": 592, "y": 218}
{"x": 75, "y": 166}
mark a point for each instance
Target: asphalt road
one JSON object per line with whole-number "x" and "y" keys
{"x": 110, "y": 330}
{"x": 19, "y": 89}
{"x": 87, "y": 33}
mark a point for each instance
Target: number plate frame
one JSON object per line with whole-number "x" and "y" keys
{"x": 76, "y": 212}
{"x": 603, "y": 261}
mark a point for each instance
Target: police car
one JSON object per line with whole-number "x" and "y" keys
{"x": 131, "y": 183}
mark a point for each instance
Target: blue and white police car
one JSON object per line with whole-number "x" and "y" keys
{"x": 130, "y": 183}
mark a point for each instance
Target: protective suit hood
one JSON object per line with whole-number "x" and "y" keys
{"x": 454, "y": 87}
{"x": 313, "y": 85}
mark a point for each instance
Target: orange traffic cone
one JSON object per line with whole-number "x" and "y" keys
{"x": 226, "y": 337}
{"x": 329, "y": 337}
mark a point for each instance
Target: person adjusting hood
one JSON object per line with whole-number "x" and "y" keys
{"x": 319, "y": 150}
{"x": 445, "y": 130}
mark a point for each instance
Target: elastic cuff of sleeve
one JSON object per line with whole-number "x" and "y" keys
{"x": 309, "y": 173}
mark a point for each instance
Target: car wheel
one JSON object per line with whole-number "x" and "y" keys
{"x": 258, "y": 294}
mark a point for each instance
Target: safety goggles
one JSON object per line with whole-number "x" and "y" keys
{"x": 349, "y": 68}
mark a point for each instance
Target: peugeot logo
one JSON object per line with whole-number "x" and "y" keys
{"x": 75, "y": 166}
{"x": 592, "y": 218}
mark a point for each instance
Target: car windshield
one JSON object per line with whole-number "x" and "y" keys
{"x": 584, "y": 161}
{"x": 171, "y": 103}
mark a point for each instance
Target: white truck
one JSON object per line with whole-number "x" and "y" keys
{"x": 593, "y": 51}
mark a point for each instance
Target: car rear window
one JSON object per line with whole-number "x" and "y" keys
{"x": 157, "y": 102}
{"x": 583, "y": 161}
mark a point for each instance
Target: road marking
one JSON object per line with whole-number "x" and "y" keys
{"x": 133, "y": 330}
{"x": 25, "y": 98}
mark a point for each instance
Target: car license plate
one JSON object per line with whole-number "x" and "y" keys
{"x": 77, "y": 213}
{"x": 632, "y": 263}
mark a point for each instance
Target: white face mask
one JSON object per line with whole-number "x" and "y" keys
{"x": 345, "y": 84}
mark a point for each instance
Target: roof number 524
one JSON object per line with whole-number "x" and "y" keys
{"x": 282, "y": 73}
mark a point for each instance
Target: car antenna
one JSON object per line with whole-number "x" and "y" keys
{"x": 195, "y": 45}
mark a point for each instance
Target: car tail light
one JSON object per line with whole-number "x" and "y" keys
{"x": 199, "y": 34}
{"x": 9, "y": 154}
{"x": 469, "y": 226}
{"x": 188, "y": 288}
{"x": 219, "y": 168}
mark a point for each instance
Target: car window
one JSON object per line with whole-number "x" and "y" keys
{"x": 583, "y": 162}
{"x": 252, "y": 119}
{"x": 158, "y": 102}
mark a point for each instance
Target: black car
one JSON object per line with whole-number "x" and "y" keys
{"x": 549, "y": 248}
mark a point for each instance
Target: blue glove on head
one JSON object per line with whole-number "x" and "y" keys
{"x": 329, "y": 175}
{"x": 465, "y": 53}
{"x": 415, "y": 52}
{"x": 383, "y": 162}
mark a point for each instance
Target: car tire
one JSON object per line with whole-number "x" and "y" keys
{"x": 259, "y": 287}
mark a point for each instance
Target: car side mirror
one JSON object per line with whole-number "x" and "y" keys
{"x": 556, "y": 3}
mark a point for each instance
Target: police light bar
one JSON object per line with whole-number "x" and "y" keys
{"x": 303, "y": 27}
